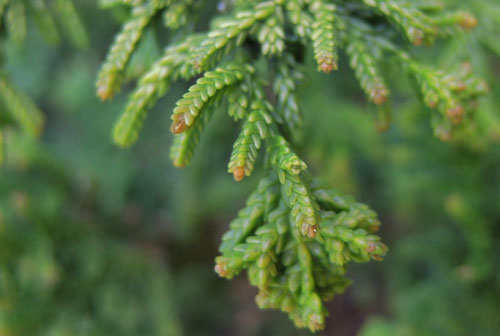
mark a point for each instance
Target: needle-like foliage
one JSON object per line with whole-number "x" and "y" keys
{"x": 16, "y": 16}
{"x": 295, "y": 237}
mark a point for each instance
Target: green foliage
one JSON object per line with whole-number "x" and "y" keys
{"x": 417, "y": 26}
{"x": 365, "y": 58}
{"x": 177, "y": 14}
{"x": 18, "y": 108}
{"x": 288, "y": 77}
{"x": 45, "y": 21}
{"x": 184, "y": 145}
{"x": 262, "y": 91}
{"x": 246, "y": 147}
{"x": 68, "y": 221}
{"x": 322, "y": 35}
{"x": 111, "y": 75}
{"x": 16, "y": 15}
{"x": 154, "y": 83}
{"x": 71, "y": 23}
{"x": 16, "y": 20}
{"x": 460, "y": 261}
{"x": 207, "y": 88}
{"x": 271, "y": 35}
{"x": 293, "y": 274}
{"x": 64, "y": 275}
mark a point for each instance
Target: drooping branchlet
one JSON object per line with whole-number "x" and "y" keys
{"x": 294, "y": 237}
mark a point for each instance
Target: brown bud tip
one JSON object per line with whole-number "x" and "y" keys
{"x": 326, "y": 68}
{"x": 239, "y": 173}
{"x": 327, "y": 64}
{"x": 371, "y": 247}
{"x": 221, "y": 270}
{"x": 455, "y": 114}
{"x": 178, "y": 126}
{"x": 379, "y": 95}
{"x": 468, "y": 22}
{"x": 104, "y": 93}
{"x": 315, "y": 322}
{"x": 310, "y": 230}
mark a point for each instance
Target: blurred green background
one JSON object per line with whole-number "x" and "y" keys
{"x": 97, "y": 240}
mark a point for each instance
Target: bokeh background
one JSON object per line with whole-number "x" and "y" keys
{"x": 97, "y": 240}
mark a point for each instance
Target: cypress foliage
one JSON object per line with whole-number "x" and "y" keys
{"x": 365, "y": 58}
{"x": 71, "y": 23}
{"x": 110, "y": 77}
{"x": 295, "y": 237}
{"x": 322, "y": 35}
{"x": 18, "y": 109}
{"x": 289, "y": 77}
{"x": 246, "y": 147}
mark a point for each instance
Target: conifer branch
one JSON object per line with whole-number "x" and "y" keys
{"x": 271, "y": 34}
{"x": 448, "y": 93}
{"x": 295, "y": 237}
{"x": 111, "y": 75}
{"x": 238, "y": 99}
{"x": 3, "y": 7}
{"x": 228, "y": 33}
{"x": 73, "y": 26}
{"x": 15, "y": 17}
{"x": 184, "y": 145}
{"x": 301, "y": 19}
{"x": 177, "y": 15}
{"x": 203, "y": 92}
{"x": 44, "y": 19}
{"x": 322, "y": 35}
{"x": 364, "y": 58}
{"x": 20, "y": 108}
{"x": 260, "y": 202}
{"x": 246, "y": 147}
{"x": 417, "y": 26}
{"x": 16, "y": 20}
{"x": 154, "y": 83}
{"x": 285, "y": 86}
